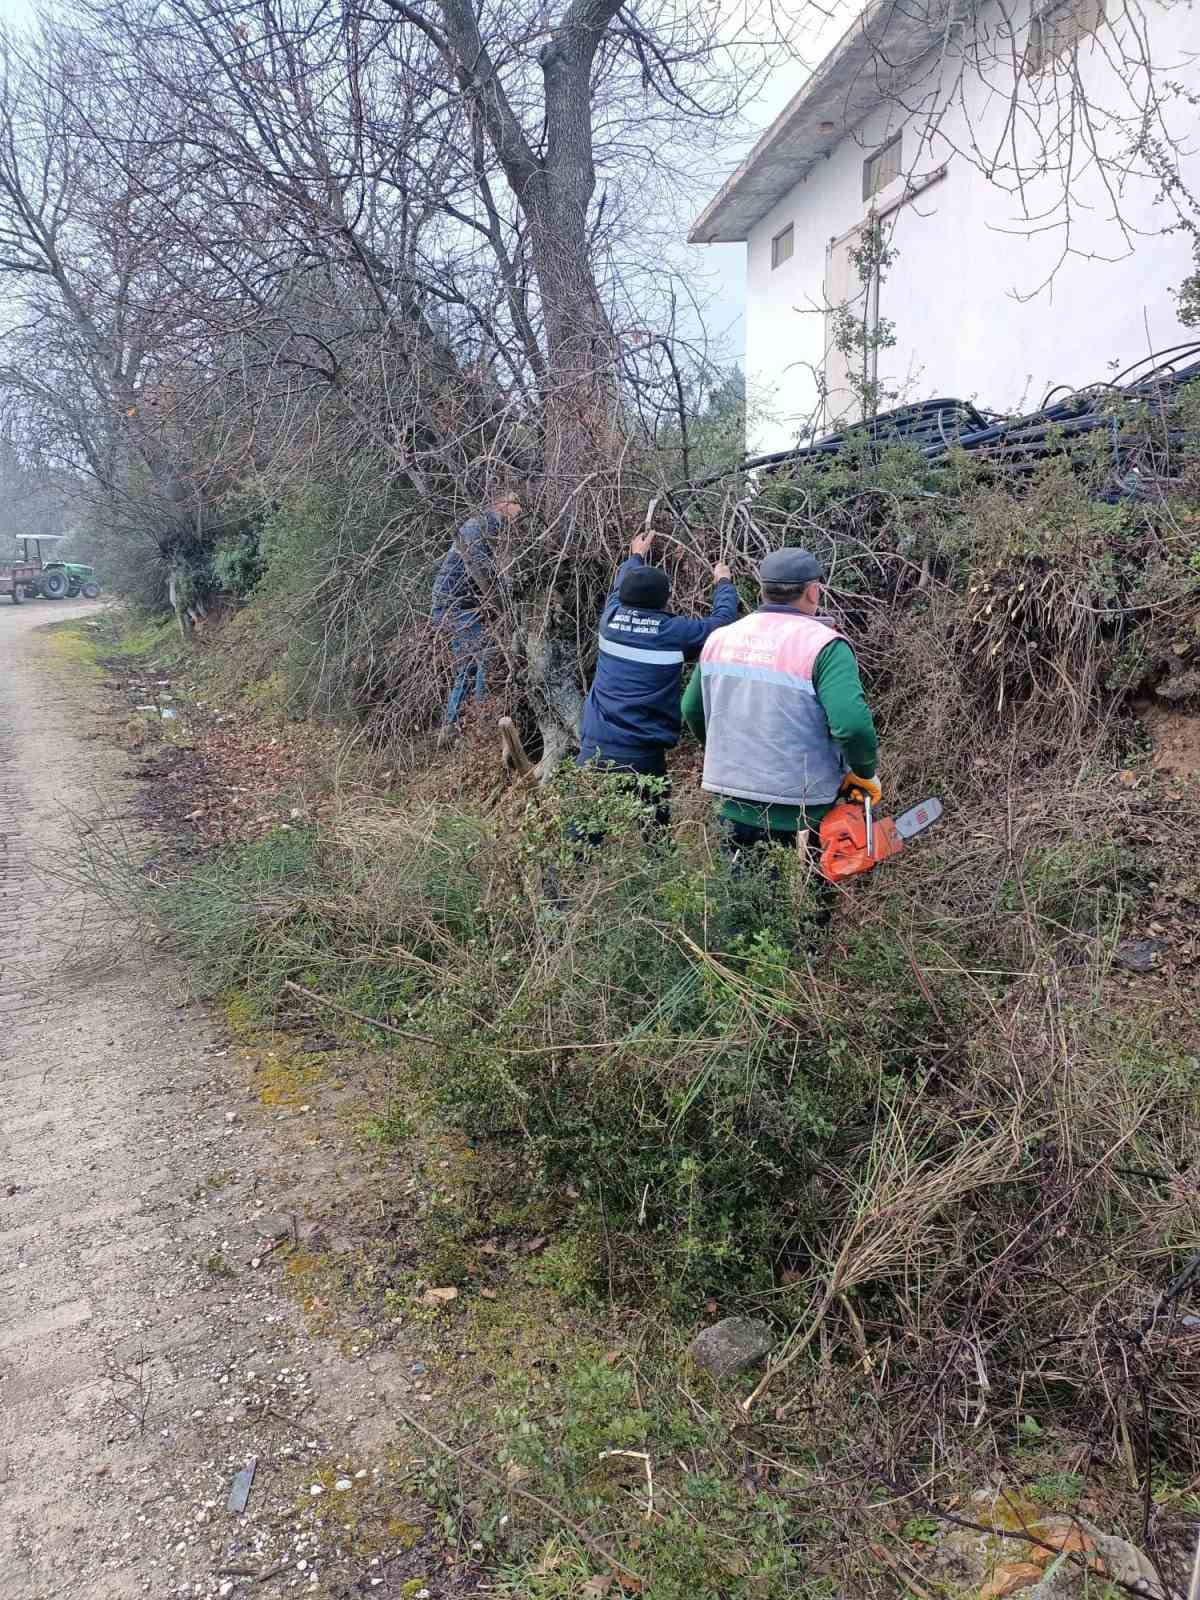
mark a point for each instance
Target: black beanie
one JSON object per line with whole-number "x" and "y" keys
{"x": 645, "y": 587}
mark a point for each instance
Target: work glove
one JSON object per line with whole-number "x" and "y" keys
{"x": 868, "y": 786}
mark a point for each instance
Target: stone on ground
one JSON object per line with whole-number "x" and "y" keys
{"x": 733, "y": 1346}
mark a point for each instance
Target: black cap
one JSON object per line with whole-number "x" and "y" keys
{"x": 790, "y": 566}
{"x": 646, "y": 587}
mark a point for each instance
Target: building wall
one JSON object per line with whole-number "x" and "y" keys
{"x": 985, "y": 306}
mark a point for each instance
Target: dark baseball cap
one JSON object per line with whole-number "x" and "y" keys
{"x": 791, "y": 565}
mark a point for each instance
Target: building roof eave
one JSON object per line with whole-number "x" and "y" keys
{"x": 873, "y": 58}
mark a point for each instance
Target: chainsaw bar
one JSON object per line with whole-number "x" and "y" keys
{"x": 917, "y": 818}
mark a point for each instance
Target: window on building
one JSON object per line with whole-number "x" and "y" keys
{"x": 882, "y": 167}
{"x": 1057, "y": 29}
{"x": 782, "y": 246}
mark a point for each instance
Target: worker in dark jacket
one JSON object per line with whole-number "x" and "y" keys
{"x": 631, "y": 716}
{"x": 467, "y": 571}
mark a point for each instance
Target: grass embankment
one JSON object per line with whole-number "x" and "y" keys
{"x": 947, "y": 1147}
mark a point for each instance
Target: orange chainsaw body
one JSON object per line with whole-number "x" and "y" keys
{"x": 844, "y": 842}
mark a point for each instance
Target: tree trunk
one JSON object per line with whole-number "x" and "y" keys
{"x": 552, "y": 679}
{"x": 580, "y": 399}
{"x": 578, "y": 491}
{"x": 554, "y": 185}
{"x": 182, "y": 618}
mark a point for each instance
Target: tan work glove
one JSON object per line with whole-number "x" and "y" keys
{"x": 868, "y": 786}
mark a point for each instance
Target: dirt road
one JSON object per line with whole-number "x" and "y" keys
{"x": 147, "y": 1350}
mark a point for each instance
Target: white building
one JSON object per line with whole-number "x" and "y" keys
{"x": 1014, "y": 161}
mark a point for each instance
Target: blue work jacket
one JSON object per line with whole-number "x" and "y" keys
{"x": 467, "y": 564}
{"x": 633, "y": 703}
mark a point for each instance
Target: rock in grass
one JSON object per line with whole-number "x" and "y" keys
{"x": 1139, "y": 955}
{"x": 732, "y": 1346}
{"x": 273, "y": 1226}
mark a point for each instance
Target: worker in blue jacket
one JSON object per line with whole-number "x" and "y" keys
{"x": 631, "y": 717}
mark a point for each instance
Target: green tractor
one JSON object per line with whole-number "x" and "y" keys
{"x": 81, "y": 580}
{"x": 30, "y": 576}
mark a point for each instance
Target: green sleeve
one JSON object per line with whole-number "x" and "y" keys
{"x": 692, "y": 706}
{"x": 840, "y": 691}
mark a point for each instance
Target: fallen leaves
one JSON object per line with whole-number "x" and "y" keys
{"x": 229, "y": 782}
{"x": 1051, "y": 1539}
{"x": 246, "y": 774}
{"x": 1006, "y": 1580}
{"x": 1067, "y": 1538}
{"x": 604, "y": 1583}
{"x": 438, "y": 1297}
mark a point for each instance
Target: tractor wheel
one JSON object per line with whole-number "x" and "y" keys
{"x": 54, "y": 585}
{"x": 18, "y": 594}
{"x": 90, "y": 591}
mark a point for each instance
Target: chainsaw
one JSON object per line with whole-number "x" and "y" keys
{"x": 853, "y": 841}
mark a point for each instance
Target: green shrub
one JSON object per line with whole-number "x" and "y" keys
{"x": 643, "y": 1018}
{"x": 238, "y": 563}
{"x": 708, "y": 1529}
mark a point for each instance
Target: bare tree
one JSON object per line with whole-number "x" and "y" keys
{"x": 392, "y": 205}
{"x": 244, "y": 239}
{"x": 95, "y": 337}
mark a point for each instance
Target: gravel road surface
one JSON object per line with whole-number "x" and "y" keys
{"x": 147, "y": 1349}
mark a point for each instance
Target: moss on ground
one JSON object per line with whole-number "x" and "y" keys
{"x": 241, "y": 1014}
{"x": 363, "y": 1502}
{"x": 285, "y": 1075}
{"x": 75, "y": 645}
{"x": 287, "y": 1081}
{"x": 312, "y": 1279}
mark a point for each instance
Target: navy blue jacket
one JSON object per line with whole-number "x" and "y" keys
{"x": 633, "y": 703}
{"x": 468, "y": 560}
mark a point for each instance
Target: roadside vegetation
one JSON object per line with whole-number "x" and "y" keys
{"x": 302, "y": 290}
{"x": 946, "y": 1147}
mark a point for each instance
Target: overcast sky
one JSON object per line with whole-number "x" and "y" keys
{"x": 717, "y": 271}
